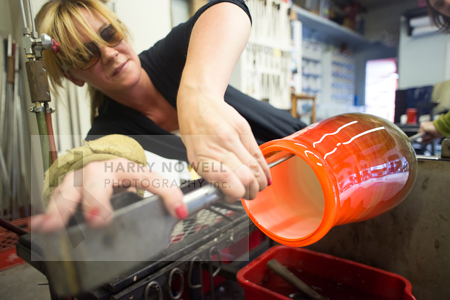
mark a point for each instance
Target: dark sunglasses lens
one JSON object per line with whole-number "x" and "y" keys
{"x": 111, "y": 36}
{"x": 92, "y": 59}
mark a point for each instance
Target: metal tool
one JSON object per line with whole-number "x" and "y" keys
{"x": 416, "y": 136}
{"x": 290, "y": 277}
{"x": 72, "y": 251}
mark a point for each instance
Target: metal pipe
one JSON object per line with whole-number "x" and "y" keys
{"x": 14, "y": 143}
{"x": 2, "y": 108}
{"x": 51, "y": 136}
{"x": 416, "y": 136}
{"x": 40, "y": 117}
{"x": 25, "y": 23}
{"x": 25, "y": 157}
{"x": 6, "y": 193}
{"x": 273, "y": 164}
{"x": 32, "y": 22}
{"x": 8, "y": 130}
{"x": 23, "y": 135}
{"x": 17, "y": 230}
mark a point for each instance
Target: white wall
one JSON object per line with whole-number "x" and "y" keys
{"x": 148, "y": 20}
{"x": 180, "y": 11}
{"x": 422, "y": 59}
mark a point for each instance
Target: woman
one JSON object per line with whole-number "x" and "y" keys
{"x": 440, "y": 13}
{"x": 181, "y": 83}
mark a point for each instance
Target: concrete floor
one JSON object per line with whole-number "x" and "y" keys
{"x": 23, "y": 282}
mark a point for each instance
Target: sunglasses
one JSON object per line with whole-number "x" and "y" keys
{"x": 112, "y": 38}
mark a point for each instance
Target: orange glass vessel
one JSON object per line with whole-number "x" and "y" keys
{"x": 345, "y": 169}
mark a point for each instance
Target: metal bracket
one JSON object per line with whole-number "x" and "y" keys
{"x": 154, "y": 285}
{"x": 171, "y": 275}
{"x": 50, "y": 110}
{"x": 191, "y": 269}
{"x": 34, "y": 46}
{"x": 200, "y": 275}
{"x": 36, "y": 109}
{"x": 212, "y": 273}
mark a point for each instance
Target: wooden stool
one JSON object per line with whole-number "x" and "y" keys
{"x": 296, "y": 97}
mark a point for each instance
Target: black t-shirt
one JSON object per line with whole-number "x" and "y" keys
{"x": 164, "y": 64}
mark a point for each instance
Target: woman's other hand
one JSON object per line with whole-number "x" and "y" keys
{"x": 93, "y": 186}
{"x": 430, "y": 130}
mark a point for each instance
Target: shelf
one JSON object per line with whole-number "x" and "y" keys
{"x": 311, "y": 59}
{"x": 311, "y": 75}
{"x": 314, "y": 91}
{"x": 418, "y": 13}
{"x": 329, "y": 31}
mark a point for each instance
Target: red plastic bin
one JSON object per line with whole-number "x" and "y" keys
{"x": 330, "y": 276}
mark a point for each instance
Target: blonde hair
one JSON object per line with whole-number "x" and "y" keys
{"x": 63, "y": 20}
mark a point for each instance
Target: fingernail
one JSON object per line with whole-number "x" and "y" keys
{"x": 181, "y": 211}
{"x": 93, "y": 213}
{"x": 269, "y": 181}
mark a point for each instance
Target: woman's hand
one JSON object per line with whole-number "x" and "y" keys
{"x": 221, "y": 147}
{"x": 219, "y": 142}
{"x": 430, "y": 130}
{"x": 93, "y": 186}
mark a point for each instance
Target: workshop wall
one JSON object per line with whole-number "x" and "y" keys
{"x": 263, "y": 70}
{"x": 5, "y": 28}
{"x": 148, "y": 21}
{"x": 422, "y": 59}
{"x": 11, "y": 23}
{"x": 382, "y": 22}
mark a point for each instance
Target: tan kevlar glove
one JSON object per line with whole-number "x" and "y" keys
{"x": 105, "y": 148}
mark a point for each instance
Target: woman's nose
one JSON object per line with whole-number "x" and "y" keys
{"x": 108, "y": 53}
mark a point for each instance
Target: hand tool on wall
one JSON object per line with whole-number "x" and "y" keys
{"x": 13, "y": 133}
{"x": 6, "y": 193}
{"x": 7, "y": 128}
{"x": 13, "y": 151}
